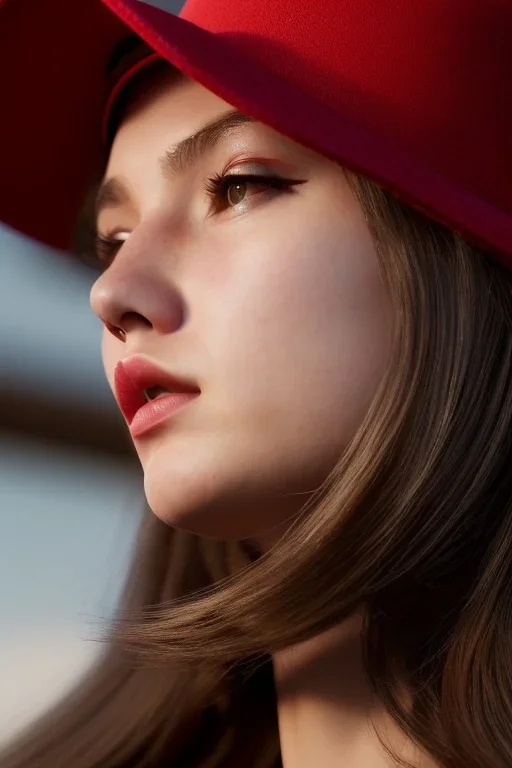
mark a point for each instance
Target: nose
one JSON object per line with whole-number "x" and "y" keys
{"x": 137, "y": 294}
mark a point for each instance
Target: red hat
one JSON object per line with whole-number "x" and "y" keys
{"x": 414, "y": 94}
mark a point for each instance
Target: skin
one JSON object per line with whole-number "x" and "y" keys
{"x": 275, "y": 306}
{"x": 326, "y": 711}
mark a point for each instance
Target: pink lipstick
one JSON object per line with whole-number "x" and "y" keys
{"x": 148, "y": 395}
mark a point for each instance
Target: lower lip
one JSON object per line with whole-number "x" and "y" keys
{"x": 156, "y": 411}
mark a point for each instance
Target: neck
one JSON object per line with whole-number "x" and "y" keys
{"x": 326, "y": 707}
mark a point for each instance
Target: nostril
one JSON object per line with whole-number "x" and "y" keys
{"x": 132, "y": 321}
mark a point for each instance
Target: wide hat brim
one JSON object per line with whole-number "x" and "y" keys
{"x": 53, "y": 62}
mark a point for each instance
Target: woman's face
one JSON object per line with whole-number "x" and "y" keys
{"x": 270, "y": 300}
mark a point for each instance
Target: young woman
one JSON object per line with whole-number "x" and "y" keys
{"x": 303, "y": 218}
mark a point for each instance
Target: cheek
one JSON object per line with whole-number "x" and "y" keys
{"x": 303, "y": 337}
{"x": 311, "y": 296}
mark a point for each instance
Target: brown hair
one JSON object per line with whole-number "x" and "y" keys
{"x": 414, "y": 524}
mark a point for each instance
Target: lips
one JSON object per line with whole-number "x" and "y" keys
{"x": 133, "y": 376}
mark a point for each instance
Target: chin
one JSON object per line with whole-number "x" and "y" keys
{"x": 216, "y": 492}
{"x": 216, "y": 507}
{"x": 204, "y": 504}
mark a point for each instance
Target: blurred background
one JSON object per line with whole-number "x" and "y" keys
{"x": 71, "y": 489}
{"x": 71, "y": 492}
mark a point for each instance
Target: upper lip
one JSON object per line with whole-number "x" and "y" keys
{"x": 133, "y": 376}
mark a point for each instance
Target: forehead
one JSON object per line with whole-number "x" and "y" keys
{"x": 168, "y": 110}
{"x": 165, "y": 92}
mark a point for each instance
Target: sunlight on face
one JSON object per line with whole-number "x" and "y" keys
{"x": 269, "y": 298}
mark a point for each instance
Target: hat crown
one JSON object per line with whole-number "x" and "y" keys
{"x": 430, "y": 75}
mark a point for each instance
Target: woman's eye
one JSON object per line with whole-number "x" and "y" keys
{"x": 105, "y": 248}
{"x": 232, "y": 189}
{"x": 224, "y": 192}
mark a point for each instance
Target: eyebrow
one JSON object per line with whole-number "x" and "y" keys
{"x": 177, "y": 159}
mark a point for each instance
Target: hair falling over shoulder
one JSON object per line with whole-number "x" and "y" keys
{"x": 414, "y": 524}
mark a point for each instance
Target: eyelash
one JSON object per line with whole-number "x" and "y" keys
{"x": 106, "y": 247}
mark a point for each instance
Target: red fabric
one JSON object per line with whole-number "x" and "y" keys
{"x": 119, "y": 86}
{"x": 415, "y": 95}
